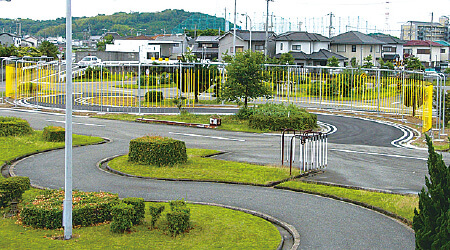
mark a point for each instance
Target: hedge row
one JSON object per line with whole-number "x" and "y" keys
{"x": 54, "y": 134}
{"x": 178, "y": 220}
{"x": 13, "y": 188}
{"x": 154, "y": 96}
{"x": 298, "y": 122}
{"x": 13, "y": 126}
{"x": 89, "y": 208}
{"x": 157, "y": 150}
{"x": 122, "y": 214}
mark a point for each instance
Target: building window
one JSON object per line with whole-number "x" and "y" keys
{"x": 341, "y": 48}
{"x": 371, "y": 48}
{"x": 423, "y": 51}
{"x": 259, "y": 47}
{"x": 151, "y": 55}
{"x": 239, "y": 49}
{"x": 389, "y": 49}
{"x": 296, "y": 47}
{"x": 281, "y": 46}
{"x": 353, "y": 48}
{"x": 443, "y": 51}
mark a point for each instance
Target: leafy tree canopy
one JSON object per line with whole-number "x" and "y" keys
{"x": 333, "y": 62}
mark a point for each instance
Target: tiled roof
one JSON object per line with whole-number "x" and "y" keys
{"x": 354, "y": 37}
{"x": 422, "y": 43}
{"x": 207, "y": 39}
{"x": 387, "y": 39}
{"x": 445, "y": 43}
{"x": 302, "y": 36}
{"x": 322, "y": 54}
{"x": 257, "y": 36}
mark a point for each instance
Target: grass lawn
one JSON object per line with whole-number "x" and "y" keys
{"x": 199, "y": 168}
{"x": 229, "y": 122}
{"x": 12, "y": 147}
{"x": 213, "y": 227}
{"x": 402, "y": 205}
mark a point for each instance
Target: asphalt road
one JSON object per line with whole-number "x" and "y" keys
{"x": 322, "y": 223}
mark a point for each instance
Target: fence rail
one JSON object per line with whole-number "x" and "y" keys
{"x": 125, "y": 87}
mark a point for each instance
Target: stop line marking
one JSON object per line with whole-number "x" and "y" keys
{"x": 206, "y": 136}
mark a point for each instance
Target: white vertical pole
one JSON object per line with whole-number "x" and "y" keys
{"x": 301, "y": 156}
{"x": 293, "y": 150}
{"x": 67, "y": 213}
{"x": 326, "y": 152}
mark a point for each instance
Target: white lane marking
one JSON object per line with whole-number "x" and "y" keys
{"x": 206, "y": 136}
{"x": 77, "y": 123}
{"x": 379, "y": 154}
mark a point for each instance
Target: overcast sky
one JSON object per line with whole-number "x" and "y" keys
{"x": 372, "y": 11}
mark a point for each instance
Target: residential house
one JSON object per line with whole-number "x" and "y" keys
{"x": 206, "y": 47}
{"x": 306, "y": 48}
{"x": 445, "y": 52}
{"x": 30, "y": 41}
{"x": 428, "y": 52}
{"x": 8, "y": 39}
{"x": 243, "y": 41}
{"x": 392, "y": 50}
{"x": 354, "y": 44}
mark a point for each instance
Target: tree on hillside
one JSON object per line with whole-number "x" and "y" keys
{"x": 245, "y": 78}
{"x": 48, "y": 49}
{"x": 432, "y": 221}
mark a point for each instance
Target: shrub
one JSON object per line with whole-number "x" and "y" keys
{"x": 89, "y": 208}
{"x": 13, "y": 126}
{"x": 122, "y": 214}
{"x": 278, "y": 116}
{"x": 54, "y": 134}
{"x": 156, "y": 150}
{"x": 13, "y": 188}
{"x": 139, "y": 209}
{"x": 155, "y": 212}
{"x": 154, "y": 96}
{"x": 178, "y": 220}
{"x": 244, "y": 113}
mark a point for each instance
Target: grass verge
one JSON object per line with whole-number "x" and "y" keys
{"x": 206, "y": 169}
{"x": 213, "y": 227}
{"x": 229, "y": 122}
{"x": 402, "y": 205}
{"x": 12, "y": 147}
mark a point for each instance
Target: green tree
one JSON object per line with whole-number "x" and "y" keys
{"x": 333, "y": 62}
{"x": 286, "y": 58}
{"x": 447, "y": 71}
{"x": 368, "y": 62}
{"x": 245, "y": 78}
{"x": 353, "y": 62}
{"x": 101, "y": 46}
{"x": 431, "y": 222}
{"x": 48, "y": 49}
{"x": 413, "y": 63}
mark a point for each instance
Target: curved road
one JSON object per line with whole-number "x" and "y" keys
{"x": 360, "y": 154}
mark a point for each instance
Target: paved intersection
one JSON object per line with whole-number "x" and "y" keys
{"x": 360, "y": 154}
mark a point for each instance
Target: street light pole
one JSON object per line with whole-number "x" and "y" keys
{"x": 234, "y": 29}
{"x": 67, "y": 212}
{"x": 250, "y": 20}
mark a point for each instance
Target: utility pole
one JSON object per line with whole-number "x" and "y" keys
{"x": 266, "y": 45}
{"x": 234, "y": 29}
{"x": 330, "y": 28}
{"x": 431, "y": 41}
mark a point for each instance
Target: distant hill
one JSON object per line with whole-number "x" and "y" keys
{"x": 121, "y": 22}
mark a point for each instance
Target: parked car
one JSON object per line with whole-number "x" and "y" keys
{"x": 89, "y": 61}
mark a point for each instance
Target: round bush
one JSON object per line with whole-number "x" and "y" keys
{"x": 54, "y": 134}
{"x": 157, "y": 150}
{"x": 13, "y": 126}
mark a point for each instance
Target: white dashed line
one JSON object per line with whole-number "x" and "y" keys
{"x": 206, "y": 136}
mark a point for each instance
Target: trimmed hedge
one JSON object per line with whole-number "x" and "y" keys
{"x": 13, "y": 188}
{"x": 13, "y": 126}
{"x": 157, "y": 150}
{"x": 89, "y": 208}
{"x": 155, "y": 212}
{"x": 139, "y": 209}
{"x": 54, "y": 134}
{"x": 122, "y": 214}
{"x": 178, "y": 221}
{"x": 154, "y": 96}
{"x": 276, "y": 117}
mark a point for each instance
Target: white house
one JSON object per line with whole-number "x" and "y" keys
{"x": 8, "y": 39}
{"x": 428, "y": 52}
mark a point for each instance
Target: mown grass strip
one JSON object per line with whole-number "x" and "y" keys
{"x": 401, "y": 205}
{"x": 213, "y": 227}
{"x": 204, "y": 169}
